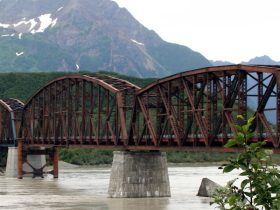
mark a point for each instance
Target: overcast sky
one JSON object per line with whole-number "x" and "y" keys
{"x": 231, "y": 30}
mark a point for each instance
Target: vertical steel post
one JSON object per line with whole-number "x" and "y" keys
{"x": 260, "y": 128}
{"x": 224, "y": 95}
{"x": 55, "y": 158}
{"x": 99, "y": 115}
{"x": 214, "y": 102}
{"x": 14, "y": 133}
{"x": 20, "y": 159}
{"x": 242, "y": 96}
{"x": 278, "y": 107}
{"x": 208, "y": 105}
{"x": 84, "y": 114}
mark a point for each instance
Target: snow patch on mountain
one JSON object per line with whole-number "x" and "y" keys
{"x": 2, "y": 25}
{"x": 54, "y": 22}
{"x": 60, "y": 8}
{"x": 37, "y": 25}
{"x": 136, "y": 42}
{"x": 33, "y": 24}
{"x": 46, "y": 21}
{"x": 19, "y": 53}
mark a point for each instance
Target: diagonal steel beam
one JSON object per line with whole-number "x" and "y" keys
{"x": 278, "y": 106}
{"x": 171, "y": 117}
{"x": 266, "y": 95}
{"x": 120, "y": 102}
{"x": 229, "y": 101}
{"x": 147, "y": 118}
{"x": 194, "y": 106}
{"x": 262, "y": 103}
{"x": 268, "y": 128}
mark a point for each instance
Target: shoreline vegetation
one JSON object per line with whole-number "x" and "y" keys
{"x": 99, "y": 158}
{"x": 105, "y": 157}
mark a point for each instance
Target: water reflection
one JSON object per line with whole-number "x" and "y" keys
{"x": 82, "y": 188}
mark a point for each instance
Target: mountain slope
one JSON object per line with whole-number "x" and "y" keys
{"x": 220, "y": 63}
{"x": 262, "y": 60}
{"x": 63, "y": 35}
{"x": 259, "y": 60}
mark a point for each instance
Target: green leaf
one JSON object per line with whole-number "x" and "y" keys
{"x": 244, "y": 183}
{"x": 274, "y": 189}
{"x": 245, "y": 128}
{"x": 245, "y": 173}
{"x": 229, "y": 168}
{"x": 231, "y": 143}
{"x": 255, "y": 166}
{"x": 249, "y": 194}
{"x": 240, "y": 117}
{"x": 249, "y": 135}
{"x": 250, "y": 120}
{"x": 255, "y": 145}
{"x": 238, "y": 127}
{"x": 240, "y": 138}
{"x": 232, "y": 200}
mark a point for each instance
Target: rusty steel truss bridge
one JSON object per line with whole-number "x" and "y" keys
{"x": 189, "y": 111}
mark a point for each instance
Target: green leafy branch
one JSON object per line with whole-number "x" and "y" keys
{"x": 260, "y": 185}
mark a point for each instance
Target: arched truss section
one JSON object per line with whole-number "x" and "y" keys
{"x": 10, "y": 119}
{"x": 198, "y": 108}
{"x": 79, "y": 110}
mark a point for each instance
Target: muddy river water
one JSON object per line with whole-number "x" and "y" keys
{"x": 86, "y": 188}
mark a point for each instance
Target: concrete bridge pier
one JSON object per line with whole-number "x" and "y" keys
{"x": 11, "y": 165}
{"x": 30, "y": 162}
{"x": 139, "y": 174}
{"x": 33, "y": 165}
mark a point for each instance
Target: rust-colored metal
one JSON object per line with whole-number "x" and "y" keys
{"x": 20, "y": 159}
{"x": 192, "y": 109}
{"x": 205, "y": 103}
{"x": 79, "y": 110}
{"x": 55, "y": 158}
{"x": 10, "y": 120}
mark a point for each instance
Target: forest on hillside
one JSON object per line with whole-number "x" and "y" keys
{"x": 24, "y": 85}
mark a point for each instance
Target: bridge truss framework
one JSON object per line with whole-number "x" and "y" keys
{"x": 193, "y": 110}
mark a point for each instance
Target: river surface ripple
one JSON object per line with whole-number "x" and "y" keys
{"x": 86, "y": 188}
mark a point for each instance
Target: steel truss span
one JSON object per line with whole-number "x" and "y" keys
{"x": 10, "y": 119}
{"x": 79, "y": 110}
{"x": 193, "y": 110}
{"x": 198, "y": 108}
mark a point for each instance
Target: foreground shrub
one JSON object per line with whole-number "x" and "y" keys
{"x": 260, "y": 179}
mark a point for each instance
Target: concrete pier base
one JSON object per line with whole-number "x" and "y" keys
{"x": 138, "y": 175}
{"x": 12, "y": 160}
{"x": 34, "y": 165}
{"x": 31, "y": 167}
